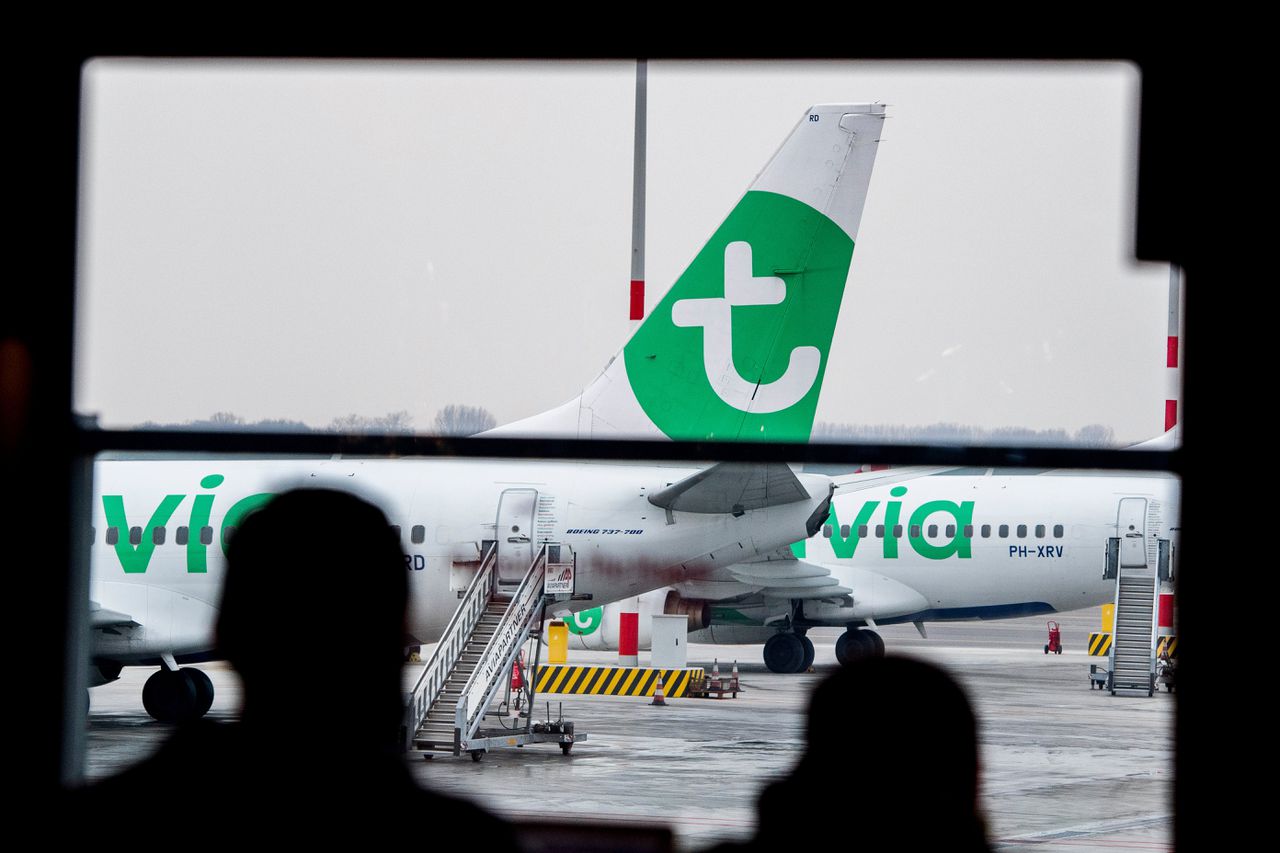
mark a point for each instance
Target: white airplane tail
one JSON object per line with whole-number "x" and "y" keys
{"x": 738, "y": 347}
{"x": 1170, "y": 439}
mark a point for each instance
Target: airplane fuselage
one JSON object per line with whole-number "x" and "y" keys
{"x": 161, "y": 529}
{"x": 940, "y": 548}
{"x": 997, "y": 545}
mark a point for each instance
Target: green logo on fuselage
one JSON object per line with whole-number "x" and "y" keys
{"x": 586, "y": 621}
{"x": 845, "y": 539}
{"x": 134, "y": 558}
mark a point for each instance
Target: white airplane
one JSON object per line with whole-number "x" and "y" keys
{"x": 923, "y": 547}
{"x": 736, "y": 349}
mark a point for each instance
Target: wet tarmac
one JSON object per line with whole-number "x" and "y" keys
{"x": 1065, "y": 767}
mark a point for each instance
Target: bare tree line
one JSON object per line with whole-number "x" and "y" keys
{"x": 1090, "y": 435}
{"x": 462, "y": 420}
{"x": 453, "y": 419}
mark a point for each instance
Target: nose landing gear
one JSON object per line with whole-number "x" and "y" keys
{"x": 177, "y": 695}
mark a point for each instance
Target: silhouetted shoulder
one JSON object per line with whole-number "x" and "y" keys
{"x": 219, "y": 781}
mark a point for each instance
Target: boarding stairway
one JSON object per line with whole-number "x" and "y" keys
{"x": 1133, "y": 650}
{"x": 473, "y": 663}
{"x": 1133, "y": 647}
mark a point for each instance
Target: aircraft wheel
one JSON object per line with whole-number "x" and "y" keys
{"x": 170, "y": 697}
{"x": 203, "y": 687}
{"x": 877, "y": 643}
{"x": 856, "y": 644}
{"x": 809, "y": 652}
{"x": 477, "y": 754}
{"x": 783, "y": 653}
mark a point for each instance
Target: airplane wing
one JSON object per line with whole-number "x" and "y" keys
{"x": 778, "y": 575}
{"x": 789, "y": 579}
{"x": 837, "y": 595}
{"x": 871, "y": 479}
{"x": 102, "y": 619}
{"x": 733, "y": 487}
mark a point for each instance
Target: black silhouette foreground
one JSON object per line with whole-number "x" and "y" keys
{"x": 890, "y": 763}
{"x": 315, "y": 755}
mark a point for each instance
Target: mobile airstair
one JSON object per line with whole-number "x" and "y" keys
{"x": 473, "y": 664}
{"x": 1133, "y": 650}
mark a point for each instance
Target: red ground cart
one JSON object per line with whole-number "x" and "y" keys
{"x": 1055, "y": 639}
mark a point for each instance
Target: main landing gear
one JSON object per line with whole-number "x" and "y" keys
{"x": 788, "y": 652}
{"x": 857, "y": 643}
{"x": 177, "y": 695}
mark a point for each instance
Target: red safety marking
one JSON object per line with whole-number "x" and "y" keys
{"x": 1170, "y": 414}
{"x": 628, "y": 633}
{"x": 1171, "y": 358}
{"x": 637, "y": 300}
{"x": 1166, "y": 611}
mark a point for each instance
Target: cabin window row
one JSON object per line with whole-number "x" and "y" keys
{"x": 931, "y": 531}
{"x": 417, "y": 534}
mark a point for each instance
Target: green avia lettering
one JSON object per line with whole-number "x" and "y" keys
{"x": 957, "y": 516}
{"x": 134, "y": 559}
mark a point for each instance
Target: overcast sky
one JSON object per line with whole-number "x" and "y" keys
{"x": 309, "y": 240}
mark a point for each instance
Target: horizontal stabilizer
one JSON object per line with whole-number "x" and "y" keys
{"x": 733, "y": 487}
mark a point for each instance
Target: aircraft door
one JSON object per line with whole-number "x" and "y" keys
{"x": 516, "y": 509}
{"x": 1131, "y": 527}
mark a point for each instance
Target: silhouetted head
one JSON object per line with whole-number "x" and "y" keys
{"x": 891, "y": 742}
{"x": 314, "y": 607}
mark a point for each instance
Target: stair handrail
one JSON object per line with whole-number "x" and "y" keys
{"x": 449, "y": 649}
{"x": 524, "y": 611}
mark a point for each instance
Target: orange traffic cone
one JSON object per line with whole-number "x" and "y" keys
{"x": 733, "y": 676}
{"x": 715, "y": 671}
{"x": 659, "y": 698}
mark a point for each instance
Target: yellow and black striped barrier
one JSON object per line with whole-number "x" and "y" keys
{"x": 1169, "y": 643}
{"x": 1099, "y": 644}
{"x": 615, "y": 680}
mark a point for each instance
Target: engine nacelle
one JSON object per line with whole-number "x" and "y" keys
{"x": 596, "y": 629}
{"x": 103, "y": 671}
{"x": 697, "y": 609}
